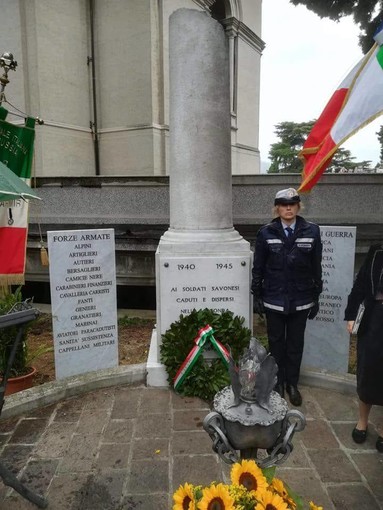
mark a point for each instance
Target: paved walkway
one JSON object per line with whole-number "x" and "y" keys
{"x": 129, "y": 447}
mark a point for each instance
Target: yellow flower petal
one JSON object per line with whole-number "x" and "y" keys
{"x": 184, "y": 498}
{"x": 279, "y": 487}
{"x": 313, "y": 506}
{"x": 216, "y": 497}
{"x": 248, "y": 474}
{"x": 270, "y": 501}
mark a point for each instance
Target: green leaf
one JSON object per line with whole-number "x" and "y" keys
{"x": 269, "y": 473}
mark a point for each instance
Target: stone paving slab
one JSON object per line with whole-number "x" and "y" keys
{"x": 346, "y": 497}
{"x": 308, "y": 485}
{"x": 129, "y": 447}
{"x": 318, "y": 435}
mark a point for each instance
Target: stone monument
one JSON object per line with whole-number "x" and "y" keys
{"x": 201, "y": 261}
{"x": 83, "y": 294}
{"x": 327, "y": 341}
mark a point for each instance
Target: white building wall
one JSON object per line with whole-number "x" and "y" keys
{"x": 246, "y": 156}
{"x": 54, "y": 54}
{"x": 124, "y": 86}
{"x": 50, "y": 39}
{"x": 11, "y": 40}
{"x": 252, "y": 14}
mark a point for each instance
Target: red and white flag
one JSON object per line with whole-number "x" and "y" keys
{"x": 357, "y": 101}
{"x": 16, "y": 152}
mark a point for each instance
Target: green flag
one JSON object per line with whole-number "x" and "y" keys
{"x": 16, "y": 152}
{"x": 16, "y": 145}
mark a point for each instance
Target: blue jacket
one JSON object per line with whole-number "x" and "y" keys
{"x": 288, "y": 277}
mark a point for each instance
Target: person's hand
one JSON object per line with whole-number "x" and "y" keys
{"x": 313, "y": 311}
{"x": 350, "y": 325}
{"x": 258, "y": 306}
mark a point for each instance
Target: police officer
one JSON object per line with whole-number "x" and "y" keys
{"x": 287, "y": 281}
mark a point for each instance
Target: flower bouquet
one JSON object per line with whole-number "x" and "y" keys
{"x": 251, "y": 488}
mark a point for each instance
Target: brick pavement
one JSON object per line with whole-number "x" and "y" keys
{"x": 129, "y": 448}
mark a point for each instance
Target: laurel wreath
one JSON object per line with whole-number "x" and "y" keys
{"x": 207, "y": 377}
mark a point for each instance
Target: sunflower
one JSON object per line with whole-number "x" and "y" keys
{"x": 184, "y": 498}
{"x": 313, "y": 506}
{"x": 248, "y": 474}
{"x": 279, "y": 487}
{"x": 216, "y": 497}
{"x": 270, "y": 501}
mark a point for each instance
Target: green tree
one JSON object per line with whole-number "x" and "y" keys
{"x": 380, "y": 138}
{"x": 367, "y": 14}
{"x": 344, "y": 160}
{"x": 284, "y": 153}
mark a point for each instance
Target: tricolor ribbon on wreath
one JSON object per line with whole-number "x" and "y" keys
{"x": 204, "y": 335}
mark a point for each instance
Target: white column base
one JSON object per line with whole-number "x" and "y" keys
{"x": 156, "y": 372}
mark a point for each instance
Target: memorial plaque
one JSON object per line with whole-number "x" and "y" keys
{"x": 218, "y": 283}
{"x": 327, "y": 340}
{"x": 83, "y": 295}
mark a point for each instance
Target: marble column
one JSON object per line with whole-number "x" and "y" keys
{"x": 200, "y": 133}
{"x": 199, "y": 149}
{"x": 201, "y": 260}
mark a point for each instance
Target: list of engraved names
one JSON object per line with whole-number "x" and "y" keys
{"x": 83, "y": 292}
{"x": 333, "y": 299}
{"x": 327, "y": 339}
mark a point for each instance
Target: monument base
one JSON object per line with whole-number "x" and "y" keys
{"x": 202, "y": 269}
{"x": 196, "y": 270}
{"x": 202, "y": 241}
{"x": 156, "y": 372}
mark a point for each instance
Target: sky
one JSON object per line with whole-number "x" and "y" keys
{"x": 304, "y": 61}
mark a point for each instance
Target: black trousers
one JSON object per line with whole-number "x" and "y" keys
{"x": 286, "y": 341}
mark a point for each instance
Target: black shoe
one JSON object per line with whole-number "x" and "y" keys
{"x": 294, "y": 395}
{"x": 379, "y": 444}
{"x": 359, "y": 436}
{"x": 280, "y": 388}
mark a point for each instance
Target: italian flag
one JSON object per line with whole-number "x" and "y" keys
{"x": 16, "y": 152}
{"x": 357, "y": 101}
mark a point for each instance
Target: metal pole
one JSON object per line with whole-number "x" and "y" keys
{"x": 94, "y": 95}
{"x": 7, "y": 62}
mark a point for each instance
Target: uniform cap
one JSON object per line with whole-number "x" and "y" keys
{"x": 287, "y": 196}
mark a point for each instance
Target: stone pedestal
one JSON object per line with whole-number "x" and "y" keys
{"x": 201, "y": 261}
{"x": 83, "y": 293}
{"x": 327, "y": 341}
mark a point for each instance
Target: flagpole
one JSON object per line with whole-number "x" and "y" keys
{"x": 7, "y": 62}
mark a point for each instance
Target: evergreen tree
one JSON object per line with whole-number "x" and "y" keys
{"x": 380, "y": 138}
{"x": 284, "y": 153}
{"x": 367, "y": 14}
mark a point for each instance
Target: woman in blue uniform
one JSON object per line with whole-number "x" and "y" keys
{"x": 287, "y": 281}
